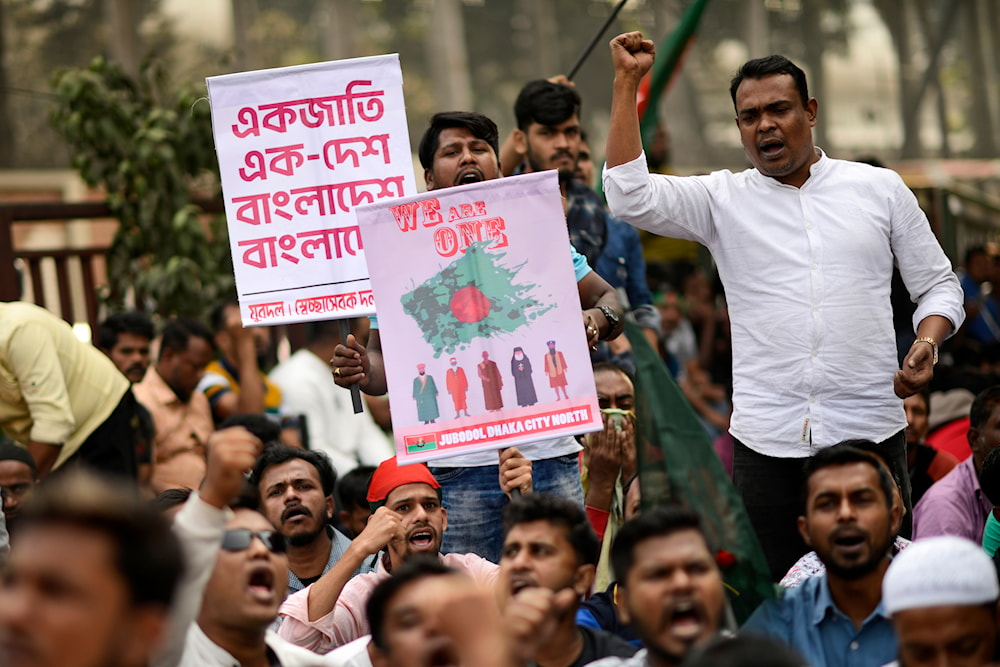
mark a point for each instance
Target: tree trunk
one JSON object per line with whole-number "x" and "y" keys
{"x": 447, "y": 55}
{"x": 339, "y": 28}
{"x": 7, "y": 147}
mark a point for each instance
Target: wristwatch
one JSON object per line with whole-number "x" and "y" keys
{"x": 930, "y": 341}
{"x": 615, "y": 320}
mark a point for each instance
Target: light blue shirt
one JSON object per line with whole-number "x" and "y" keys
{"x": 807, "y": 619}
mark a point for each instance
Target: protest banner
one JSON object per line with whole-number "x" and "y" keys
{"x": 299, "y": 149}
{"x": 479, "y": 317}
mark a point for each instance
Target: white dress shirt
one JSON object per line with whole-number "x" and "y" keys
{"x": 349, "y": 439}
{"x": 807, "y": 275}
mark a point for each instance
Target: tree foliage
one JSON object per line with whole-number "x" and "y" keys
{"x": 152, "y": 152}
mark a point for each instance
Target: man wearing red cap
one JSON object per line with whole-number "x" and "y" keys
{"x": 407, "y": 519}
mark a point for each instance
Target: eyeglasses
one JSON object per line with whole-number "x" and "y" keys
{"x": 240, "y": 538}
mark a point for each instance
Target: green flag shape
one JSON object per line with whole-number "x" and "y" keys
{"x": 677, "y": 465}
{"x": 668, "y": 56}
{"x": 475, "y": 296}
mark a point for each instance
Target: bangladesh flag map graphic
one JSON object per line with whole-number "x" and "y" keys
{"x": 473, "y": 297}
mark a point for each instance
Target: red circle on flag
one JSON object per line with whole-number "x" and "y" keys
{"x": 469, "y": 304}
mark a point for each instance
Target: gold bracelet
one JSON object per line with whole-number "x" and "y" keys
{"x": 932, "y": 343}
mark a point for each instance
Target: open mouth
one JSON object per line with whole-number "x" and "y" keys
{"x": 770, "y": 148}
{"x": 849, "y": 543}
{"x": 685, "y": 620}
{"x": 519, "y": 584}
{"x": 469, "y": 176}
{"x": 295, "y": 512}
{"x": 260, "y": 583}
{"x": 422, "y": 538}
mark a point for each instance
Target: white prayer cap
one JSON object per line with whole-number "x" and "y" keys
{"x": 939, "y": 571}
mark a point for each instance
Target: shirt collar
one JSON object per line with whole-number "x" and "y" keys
{"x": 816, "y": 169}
{"x": 823, "y": 603}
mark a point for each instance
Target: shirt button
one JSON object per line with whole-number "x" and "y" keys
{"x": 812, "y": 399}
{"x": 815, "y": 308}
{"x": 854, "y": 646}
{"x": 813, "y": 266}
{"x": 809, "y": 226}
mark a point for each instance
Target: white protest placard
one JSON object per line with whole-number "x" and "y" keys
{"x": 299, "y": 149}
{"x": 479, "y": 317}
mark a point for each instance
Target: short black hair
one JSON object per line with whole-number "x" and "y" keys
{"x": 266, "y": 429}
{"x": 845, "y": 453}
{"x": 352, "y": 489}
{"x": 744, "y": 650}
{"x": 418, "y": 567}
{"x": 759, "y": 68}
{"x": 657, "y": 522}
{"x": 479, "y": 125}
{"x": 276, "y": 454}
{"x": 559, "y": 512}
{"x": 983, "y": 406}
{"x": 131, "y": 322}
{"x": 217, "y": 316}
{"x": 545, "y": 103}
{"x": 11, "y": 451}
{"x": 972, "y": 251}
{"x": 180, "y": 330}
{"x": 146, "y": 552}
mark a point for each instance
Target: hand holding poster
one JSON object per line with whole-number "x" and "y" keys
{"x": 479, "y": 317}
{"x": 299, "y": 149}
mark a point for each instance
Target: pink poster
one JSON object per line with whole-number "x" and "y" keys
{"x": 479, "y": 317}
{"x": 300, "y": 148}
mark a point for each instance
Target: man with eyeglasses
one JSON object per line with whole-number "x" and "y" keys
{"x": 237, "y": 569}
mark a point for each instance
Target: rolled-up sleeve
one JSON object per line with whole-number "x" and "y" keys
{"x": 40, "y": 379}
{"x": 925, "y": 268}
{"x": 345, "y": 623}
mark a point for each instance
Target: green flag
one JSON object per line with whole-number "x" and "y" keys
{"x": 677, "y": 465}
{"x": 669, "y": 54}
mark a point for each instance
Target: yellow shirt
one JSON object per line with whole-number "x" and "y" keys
{"x": 54, "y": 389}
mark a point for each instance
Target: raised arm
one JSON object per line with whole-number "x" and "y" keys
{"x": 632, "y": 57}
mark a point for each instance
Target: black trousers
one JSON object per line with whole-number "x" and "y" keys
{"x": 771, "y": 489}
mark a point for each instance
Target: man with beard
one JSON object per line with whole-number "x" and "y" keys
{"x": 850, "y": 519}
{"x": 805, "y": 246}
{"x": 425, "y": 396}
{"x": 551, "y": 551}
{"x": 459, "y": 148}
{"x": 458, "y": 386}
{"x": 548, "y": 136}
{"x": 181, "y": 415}
{"x": 125, "y": 338}
{"x": 669, "y": 586}
{"x": 524, "y": 386}
{"x": 296, "y": 489}
{"x": 408, "y": 520}
{"x": 236, "y": 568}
{"x": 942, "y": 595}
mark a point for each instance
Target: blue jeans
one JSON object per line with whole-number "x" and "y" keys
{"x": 475, "y": 502}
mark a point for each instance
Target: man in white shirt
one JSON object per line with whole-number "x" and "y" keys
{"x": 805, "y": 247}
{"x": 308, "y": 389}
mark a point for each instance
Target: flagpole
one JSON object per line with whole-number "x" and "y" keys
{"x": 593, "y": 42}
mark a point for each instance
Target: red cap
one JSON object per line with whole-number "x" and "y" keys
{"x": 390, "y": 476}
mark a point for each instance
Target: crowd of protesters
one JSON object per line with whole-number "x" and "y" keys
{"x": 171, "y": 497}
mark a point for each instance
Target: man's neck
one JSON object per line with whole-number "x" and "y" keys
{"x": 247, "y": 646}
{"x": 309, "y": 560}
{"x": 858, "y": 598}
{"x": 564, "y": 647}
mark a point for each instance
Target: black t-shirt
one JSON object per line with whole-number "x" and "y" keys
{"x": 598, "y": 644}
